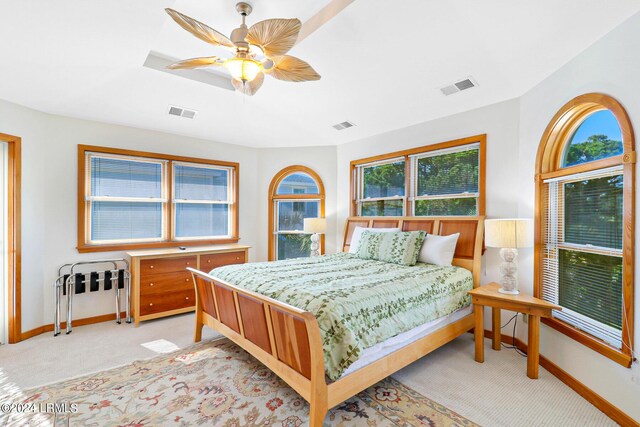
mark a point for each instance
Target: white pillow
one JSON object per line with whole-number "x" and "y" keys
{"x": 357, "y": 234}
{"x": 438, "y": 250}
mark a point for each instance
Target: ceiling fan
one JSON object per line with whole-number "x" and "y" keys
{"x": 260, "y": 49}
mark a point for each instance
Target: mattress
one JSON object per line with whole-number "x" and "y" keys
{"x": 385, "y": 348}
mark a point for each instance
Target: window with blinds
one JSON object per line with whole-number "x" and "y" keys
{"x": 446, "y": 182}
{"x": 154, "y": 200}
{"x": 297, "y": 193}
{"x": 583, "y": 216}
{"x": 126, "y": 199}
{"x": 381, "y": 188}
{"x": 202, "y": 201}
{"x": 441, "y": 182}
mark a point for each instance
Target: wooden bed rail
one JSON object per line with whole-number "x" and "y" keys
{"x": 284, "y": 338}
{"x": 287, "y": 340}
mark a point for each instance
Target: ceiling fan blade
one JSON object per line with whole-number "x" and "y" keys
{"x": 195, "y": 63}
{"x": 292, "y": 69}
{"x": 249, "y": 88}
{"x": 274, "y": 36}
{"x": 200, "y": 30}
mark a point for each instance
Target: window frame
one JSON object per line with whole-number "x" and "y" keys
{"x": 163, "y": 199}
{"x": 411, "y": 157}
{"x": 275, "y": 198}
{"x": 84, "y": 243}
{"x": 549, "y": 159}
{"x": 360, "y": 184}
{"x": 174, "y": 202}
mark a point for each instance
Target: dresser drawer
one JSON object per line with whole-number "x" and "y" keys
{"x": 168, "y": 282}
{"x": 167, "y": 301}
{"x": 166, "y": 265}
{"x": 211, "y": 261}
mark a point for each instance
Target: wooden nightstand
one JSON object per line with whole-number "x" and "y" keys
{"x": 536, "y": 308}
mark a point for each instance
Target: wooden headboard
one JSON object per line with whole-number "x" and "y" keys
{"x": 468, "y": 249}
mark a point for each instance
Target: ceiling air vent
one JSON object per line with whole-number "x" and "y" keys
{"x": 182, "y": 112}
{"x": 343, "y": 125}
{"x": 459, "y": 86}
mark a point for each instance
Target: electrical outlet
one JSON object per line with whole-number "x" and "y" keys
{"x": 525, "y": 317}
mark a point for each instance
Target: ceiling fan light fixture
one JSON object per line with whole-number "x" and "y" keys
{"x": 243, "y": 69}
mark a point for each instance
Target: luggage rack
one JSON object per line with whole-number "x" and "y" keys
{"x": 70, "y": 280}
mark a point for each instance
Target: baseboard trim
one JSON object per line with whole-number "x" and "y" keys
{"x": 77, "y": 322}
{"x": 589, "y": 395}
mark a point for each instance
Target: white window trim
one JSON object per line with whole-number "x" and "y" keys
{"x": 413, "y": 191}
{"x": 359, "y": 170}
{"x": 229, "y": 202}
{"x": 89, "y": 199}
{"x": 555, "y": 242}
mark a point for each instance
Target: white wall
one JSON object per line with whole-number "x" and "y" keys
{"x": 49, "y": 195}
{"x": 610, "y": 66}
{"x": 270, "y": 161}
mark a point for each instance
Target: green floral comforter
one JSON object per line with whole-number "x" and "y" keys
{"x": 358, "y": 303}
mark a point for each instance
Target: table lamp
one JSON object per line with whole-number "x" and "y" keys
{"x": 509, "y": 235}
{"x": 316, "y": 226}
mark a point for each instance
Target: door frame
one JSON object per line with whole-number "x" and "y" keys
{"x": 14, "y": 261}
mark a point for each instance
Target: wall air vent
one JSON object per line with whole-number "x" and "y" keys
{"x": 182, "y": 112}
{"x": 343, "y": 125}
{"x": 459, "y": 86}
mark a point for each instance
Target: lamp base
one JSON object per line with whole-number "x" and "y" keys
{"x": 509, "y": 271}
{"x": 315, "y": 245}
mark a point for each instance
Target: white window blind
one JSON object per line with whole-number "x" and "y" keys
{"x": 446, "y": 182}
{"x": 582, "y": 257}
{"x": 202, "y": 197}
{"x": 126, "y": 199}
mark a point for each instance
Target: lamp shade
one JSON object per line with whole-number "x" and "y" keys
{"x": 508, "y": 233}
{"x": 315, "y": 225}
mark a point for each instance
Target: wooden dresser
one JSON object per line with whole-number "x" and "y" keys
{"x": 160, "y": 284}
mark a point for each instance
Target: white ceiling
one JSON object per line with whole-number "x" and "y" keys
{"x": 381, "y": 62}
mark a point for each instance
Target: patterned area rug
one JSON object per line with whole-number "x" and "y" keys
{"x": 215, "y": 383}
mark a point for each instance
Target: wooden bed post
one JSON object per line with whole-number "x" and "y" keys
{"x": 319, "y": 401}
{"x": 197, "y": 333}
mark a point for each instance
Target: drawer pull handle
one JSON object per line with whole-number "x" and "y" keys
{"x": 188, "y": 263}
{"x": 187, "y": 298}
{"x": 237, "y": 258}
{"x": 208, "y": 261}
{"x": 186, "y": 280}
{"x": 150, "y": 304}
{"x": 151, "y": 266}
{"x": 150, "y": 284}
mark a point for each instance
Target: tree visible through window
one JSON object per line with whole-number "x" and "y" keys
{"x": 441, "y": 182}
{"x": 584, "y": 225}
{"x": 598, "y": 137}
{"x": 296, "y": 193}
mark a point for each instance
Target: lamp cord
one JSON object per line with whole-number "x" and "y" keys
{"x": 513, "y": 336}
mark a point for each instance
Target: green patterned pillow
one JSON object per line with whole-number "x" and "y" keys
{"x": 398, "y": 248}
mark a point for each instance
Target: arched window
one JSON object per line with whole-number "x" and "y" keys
{"x": 585, "y": 181}
{"x": 295, "y": 193}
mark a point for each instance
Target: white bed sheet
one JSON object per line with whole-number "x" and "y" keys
{"x": 387, "y": 347}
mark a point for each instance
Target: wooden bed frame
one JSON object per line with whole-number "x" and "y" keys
{"x": 287, "y": 339}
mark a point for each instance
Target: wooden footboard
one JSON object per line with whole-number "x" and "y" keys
{"x": 287, "y": 340}
{"x": 284, "y": 338}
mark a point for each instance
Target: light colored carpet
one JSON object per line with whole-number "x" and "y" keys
{"x": 215, "y": 383}
{"x": 496, "y": 393}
